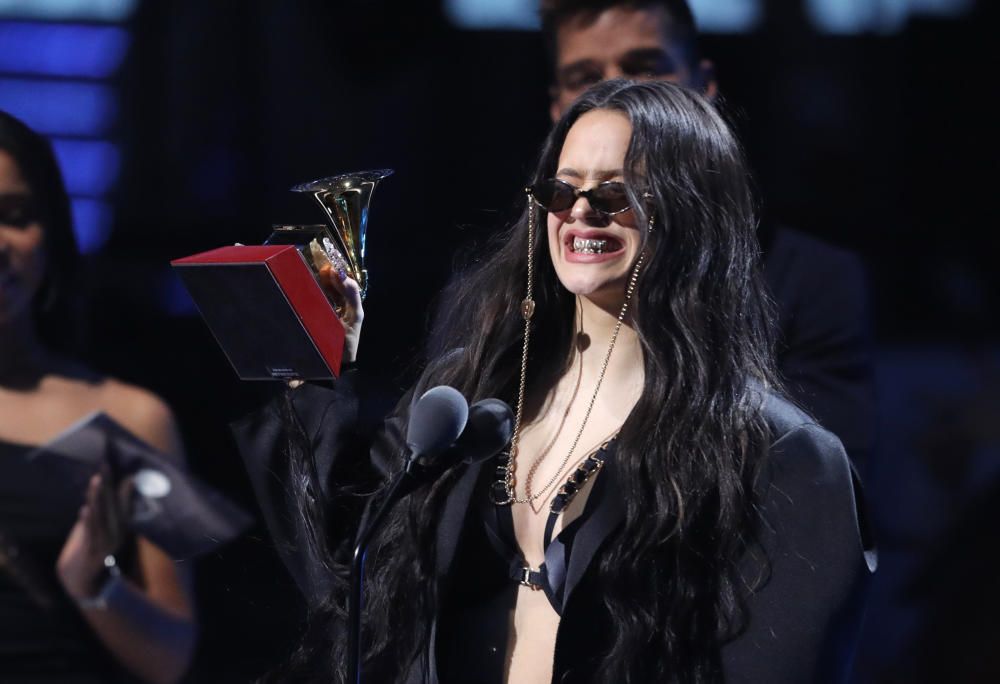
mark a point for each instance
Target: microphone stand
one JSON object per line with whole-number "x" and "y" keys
{"x": 489, "y": 423}
{"x": 397, "y": 489}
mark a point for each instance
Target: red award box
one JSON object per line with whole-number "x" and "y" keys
{"x": 266, "y": 310}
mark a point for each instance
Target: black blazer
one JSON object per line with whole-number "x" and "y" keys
{"x": 803, "y": 620}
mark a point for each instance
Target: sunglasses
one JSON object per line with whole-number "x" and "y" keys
{"x": 609, "y": 197}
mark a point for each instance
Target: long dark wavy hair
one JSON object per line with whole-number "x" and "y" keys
{"x": 56, "y": 305}
{"x": 687, "y": 454}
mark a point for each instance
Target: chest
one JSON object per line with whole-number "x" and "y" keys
{"x": 37, "y": 416}
{"x": 550, "y": 453}
{"x": 493, "y": 624}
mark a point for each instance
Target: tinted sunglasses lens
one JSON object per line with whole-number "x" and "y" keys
{"x": 553, "y": 195}
{"x": 609, "y": 198}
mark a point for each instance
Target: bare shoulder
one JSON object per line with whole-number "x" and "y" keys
{"x": 141, "y": 412}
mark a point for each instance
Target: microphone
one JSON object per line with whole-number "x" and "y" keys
{"x": 443, "y": 431}
{"x": 437, "y": 419}
{"x": 488, "y": 429}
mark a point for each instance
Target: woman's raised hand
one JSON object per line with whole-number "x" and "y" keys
{"x": 100, "y": 530}
{"x": 346, "y": 293}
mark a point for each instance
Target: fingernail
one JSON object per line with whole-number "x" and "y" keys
{"x": 343, "y": 274}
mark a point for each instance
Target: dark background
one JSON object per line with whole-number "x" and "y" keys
{"x": 876, "y": 142}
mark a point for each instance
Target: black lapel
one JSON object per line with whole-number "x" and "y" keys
{"x": 605, "y": 518}
{"x": 453, "y": 516}
{"x": 449, "y": 531}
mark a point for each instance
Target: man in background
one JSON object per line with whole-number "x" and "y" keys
{"x": 823, "y": 352}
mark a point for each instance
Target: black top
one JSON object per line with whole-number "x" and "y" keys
{"x": 550, "y": 577}
{"x": 43, "y": 638}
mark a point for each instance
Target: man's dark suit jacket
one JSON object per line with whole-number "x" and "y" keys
{"x": 824, "y": 352}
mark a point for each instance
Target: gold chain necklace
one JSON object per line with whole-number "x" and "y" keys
{"x": 559, "y": 473}
{"x": 509, "y": 495}
{"x": 548, "y": 447}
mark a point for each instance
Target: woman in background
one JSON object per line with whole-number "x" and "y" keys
{"x": 79, "y": 601}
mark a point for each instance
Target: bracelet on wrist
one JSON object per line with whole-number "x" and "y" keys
{"x": 111, "y": 579}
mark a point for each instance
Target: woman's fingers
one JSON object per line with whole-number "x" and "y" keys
{"x": 102, "y": 513}
{"x": 353, "y": 311}
{"x": 125, "y": 496}
{"x": 346, "y": 295}
{"x": 333, "y": 286}
{"x": 332, "y": 280}
{"x": 345, "y": 292}
{"x": 98, "y": 532}
{"x": 90, "y": 510}
{"x": 352, "y": 293}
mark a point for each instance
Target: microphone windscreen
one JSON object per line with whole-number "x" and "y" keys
{"x": 490, "y": 426}
{"x": 437, "y": 418}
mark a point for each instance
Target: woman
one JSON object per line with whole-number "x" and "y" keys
{"x": 663, "y": 515}
{"x": 78, "y": 601}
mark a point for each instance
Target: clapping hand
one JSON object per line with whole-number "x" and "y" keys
{"x": 100, "y": 530}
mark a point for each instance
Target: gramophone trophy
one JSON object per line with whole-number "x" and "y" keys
{"x": 264, "y": 303}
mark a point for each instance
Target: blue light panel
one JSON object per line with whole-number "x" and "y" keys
{"x": 65, "y": 10}
{"x": 727, "y": 16}
{"x": 942, "y": 7}
{"x": 60, "y": 108}
{"x": 91, "y": 223}
{"x": 857, "y": 16}
{"x": 493, "y": 14}
{"x": 90, "y": 167}
{"x": 876, "y": 16}
{"x": 172, "y": 295}
{"x": 713, "y": 16}
{"x": 62, "y": 49}
{"x": 54, "y": 75}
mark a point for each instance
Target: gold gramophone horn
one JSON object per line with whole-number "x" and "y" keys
{"x": 345, "y": 200}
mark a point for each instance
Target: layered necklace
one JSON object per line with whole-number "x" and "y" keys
{"x": 502, "y": 492}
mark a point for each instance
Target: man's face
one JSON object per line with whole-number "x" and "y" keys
{"x": 620, "y": 43}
